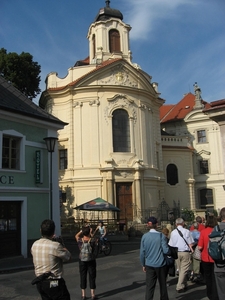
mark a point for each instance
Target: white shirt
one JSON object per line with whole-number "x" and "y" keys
{"x": 177, "y": 241}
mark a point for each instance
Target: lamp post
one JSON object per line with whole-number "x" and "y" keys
{"x": 50, "y": 143}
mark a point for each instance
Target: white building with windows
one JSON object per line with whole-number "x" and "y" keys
{"x": 113, "y": 146}
{"x": 203, "y": 172}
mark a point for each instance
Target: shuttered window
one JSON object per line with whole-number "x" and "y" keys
{"x": 114, "y": 41}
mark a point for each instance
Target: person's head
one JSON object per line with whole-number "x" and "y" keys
{"x": 198, "y": 219}
{"x": 211, "y": 221}
{"x": 180, "y": 221}
{"x": 152, "y": 222}
{"x": 86, "y": 231}
{"x": 47, "y": 228}
{"x": 195, "y": 225}
{"x": 222, "y": 214}
{"x": 100, "y": 223}
{"x": 165, "y": 231}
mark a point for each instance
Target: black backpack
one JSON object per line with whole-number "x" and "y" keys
{"x": 216, "y": 246}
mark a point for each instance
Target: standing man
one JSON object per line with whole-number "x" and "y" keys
{"x": 153, "y": 248}
{"x": 219, "y": 269}
{"x": 183, "y": 240}
{"x": 48, "y": 257}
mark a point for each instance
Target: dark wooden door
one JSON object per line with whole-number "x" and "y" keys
{"x": 124, "y": 200}
{"x": 10, "y": 228}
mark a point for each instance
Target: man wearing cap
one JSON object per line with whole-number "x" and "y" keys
{"x": 152, "y": 250}
{"x": 183, "y": 240}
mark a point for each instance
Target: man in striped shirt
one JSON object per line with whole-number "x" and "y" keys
{"x": 48, "y": 256}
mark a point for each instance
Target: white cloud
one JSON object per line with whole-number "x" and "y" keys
{"x": 144, "y": 15}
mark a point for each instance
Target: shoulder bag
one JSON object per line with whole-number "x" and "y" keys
{"x": 197, "y": 254}
{"x": 181, "y": 234}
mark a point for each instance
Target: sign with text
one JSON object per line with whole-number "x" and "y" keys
{"x": 38, "y": 160}
{"x": 4, "y": 179}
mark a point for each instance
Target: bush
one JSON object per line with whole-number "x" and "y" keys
{"x": 187, "y": 215}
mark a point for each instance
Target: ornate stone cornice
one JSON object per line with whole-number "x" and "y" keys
{"x": 89, "y": 100}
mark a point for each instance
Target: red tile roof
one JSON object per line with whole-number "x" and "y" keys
{"x": 215, "y": 105}
{"x": 165, "y": 109}
{"x": 171, "y": 113}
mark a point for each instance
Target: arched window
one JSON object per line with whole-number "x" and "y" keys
{"x": 206, "y": 197}
{"x": 114, "y": 41}
{"x": 93, "y": 46}
{"x": 172, "y": 174}
{"x": 121, "y": 131}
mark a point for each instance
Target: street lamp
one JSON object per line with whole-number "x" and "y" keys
{"x": 50, "y": 143}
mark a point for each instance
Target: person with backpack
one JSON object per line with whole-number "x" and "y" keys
{"x": 87, "y": 261}
{"x": 219, "y": 266}
{"x": 207, "y": 262}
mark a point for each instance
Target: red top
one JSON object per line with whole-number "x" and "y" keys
{"x": 200, "y": 227}
{"x": 203, "y": 242}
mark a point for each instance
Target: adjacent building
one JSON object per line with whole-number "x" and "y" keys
{"x": 201, "y": 169}
{"x": 25, "y": 171}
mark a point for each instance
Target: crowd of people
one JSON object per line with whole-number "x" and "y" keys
{"x": 156, "y": 246}
{"x": 160, "y": 253}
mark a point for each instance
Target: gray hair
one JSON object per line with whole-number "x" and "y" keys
{"x": 195, "y": 225}
{"x": 179, "y": 221}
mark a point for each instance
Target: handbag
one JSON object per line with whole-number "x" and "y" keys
{"x": 197, "y": 254}
{"x": 172, "y": 271}
{"x": 173, "y": 252}
{"x": 169, "y": 260}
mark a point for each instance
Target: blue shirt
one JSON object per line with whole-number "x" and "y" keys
{"x": 195, "y": 234}
{"x": 152, "y": 250}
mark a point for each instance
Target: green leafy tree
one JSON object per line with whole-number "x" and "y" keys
{"x": 187, "y": 215}
{"x": 21, "y": 71}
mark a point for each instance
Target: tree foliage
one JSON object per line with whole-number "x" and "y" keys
{"x": 21, "y": 71}
{"x": 187, "y": 214}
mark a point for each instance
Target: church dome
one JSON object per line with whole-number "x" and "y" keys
{"x": 107, "y": 13}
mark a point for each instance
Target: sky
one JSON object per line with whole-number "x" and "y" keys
{"x": 177, "y": 42}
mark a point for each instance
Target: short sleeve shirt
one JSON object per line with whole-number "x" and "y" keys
{"x": 48, "y": 256}
{"x": 177, "y": 241}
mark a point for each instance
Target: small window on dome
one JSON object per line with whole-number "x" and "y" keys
{"x": 114, "y": 41}
{"x": 93, "y": 46}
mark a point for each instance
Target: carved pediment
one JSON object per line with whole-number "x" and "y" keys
{"x": 120, "y": 74}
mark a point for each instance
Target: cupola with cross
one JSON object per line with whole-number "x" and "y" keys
{"x": 108, "y": 36}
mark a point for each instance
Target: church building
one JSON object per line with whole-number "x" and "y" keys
{"x": 112, "y": 146}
